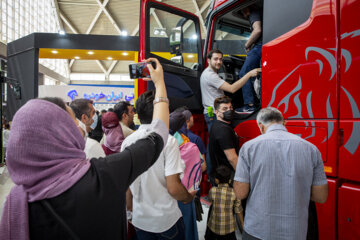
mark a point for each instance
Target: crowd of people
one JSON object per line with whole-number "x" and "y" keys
{"x": 80, "y": 174}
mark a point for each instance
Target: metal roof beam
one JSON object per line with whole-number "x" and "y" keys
{"x": 101, "y": 66}
{"x": 71, "y": 63}
{"x": 109, "y": 16}
{"x": 205, "y": 6}
{"x": 56, "y": 5}
{"x": 152, "y": 11}
{"x": 77, "y": 3}
{"x": 136, "y": 30}
{"x": 68, "y": 23}
{"x": 113, "y": 64}
{"x": 96, "y": 18}
{"x": 198, "y": 13}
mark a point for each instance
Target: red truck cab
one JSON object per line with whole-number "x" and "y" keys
{"x": 310, "y": 72}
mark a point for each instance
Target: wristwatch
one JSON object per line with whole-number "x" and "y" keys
{"x": 161, "y": 99}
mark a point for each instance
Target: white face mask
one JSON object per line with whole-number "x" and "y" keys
{"x": 83, "y": 127}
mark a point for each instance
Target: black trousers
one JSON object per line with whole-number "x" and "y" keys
{"x": 210, "y": 235}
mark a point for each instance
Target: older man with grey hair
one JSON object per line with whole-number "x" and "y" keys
{"x": 279, "y": 173}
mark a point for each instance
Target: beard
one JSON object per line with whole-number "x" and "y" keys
{"x": 216, "y": 66}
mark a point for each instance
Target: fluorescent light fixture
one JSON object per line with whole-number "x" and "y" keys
{"x": 77, "y": 57}
{"x": 90, "y": 52}
{"x": 194, "y": 36}
{"x": 54, "y": 51}
{"x": 161, "y": 31}
{"x": 109, "y": 58}
{"x": 124, "y": 33}
{"x": 125, "y": 53}
{"x": 62, "y": 32}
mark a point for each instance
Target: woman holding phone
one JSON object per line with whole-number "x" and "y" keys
{"x": 58, "y": 193}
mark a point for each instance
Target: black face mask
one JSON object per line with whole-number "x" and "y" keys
{"x": 228, "y": 115}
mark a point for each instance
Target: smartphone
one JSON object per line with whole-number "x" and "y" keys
{"x": 140, "y": 70}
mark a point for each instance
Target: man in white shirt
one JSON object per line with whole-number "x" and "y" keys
{"x": 125, "y": 113}
{"x": 212, "y": 86}
{"x": 84, "y": 111}
{"x": 155, "y": 192}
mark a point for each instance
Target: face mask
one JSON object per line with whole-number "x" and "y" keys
{"x": 228, "y": 115}
{"x": 83, "y": 127}
{"x": 94, "y": 124}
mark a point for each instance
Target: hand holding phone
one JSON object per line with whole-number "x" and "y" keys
{"x": 140, "y": 70}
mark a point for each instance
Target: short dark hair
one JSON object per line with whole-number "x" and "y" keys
{"x": 210, "y": 54}
{"x": 110, "y": 110}
{"x": 80, "y": 107}
{"x": 220, "y": 100}
{"x": 223, "y": 174}
{"x": 120, "y": 108}
{"x": 55, "y": 100}
{"x": 181, "y": 109}
{"x": 144, "y": 106}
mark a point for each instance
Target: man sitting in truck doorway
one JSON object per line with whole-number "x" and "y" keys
{"x": 253, "y": 48}
{"x": 212, "y": 86}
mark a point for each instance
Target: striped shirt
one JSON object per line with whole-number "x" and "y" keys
{"x": 224, "y": 205}
{"x": 281, "y": 168}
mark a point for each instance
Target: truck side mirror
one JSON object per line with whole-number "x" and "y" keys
{"x": 178, "y": 59}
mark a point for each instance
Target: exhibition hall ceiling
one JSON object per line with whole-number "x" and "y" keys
{"x": 112, "y": 17}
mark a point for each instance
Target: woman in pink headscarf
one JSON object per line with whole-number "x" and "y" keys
{"x": 59, "y": 194}
{"x": 113, "y": 132}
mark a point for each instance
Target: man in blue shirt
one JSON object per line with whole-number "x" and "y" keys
{"x": 279, "y": 173}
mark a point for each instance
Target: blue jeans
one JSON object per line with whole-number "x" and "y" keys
{"x": 176, "y": 232}
{"x": 189, "y": 216}
{"x": 209, "y": 122}
{"x": 252, "y": 61}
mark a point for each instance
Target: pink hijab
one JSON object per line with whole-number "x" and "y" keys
{"x": 113, "y": 131}
{"x": 45, "y": 158}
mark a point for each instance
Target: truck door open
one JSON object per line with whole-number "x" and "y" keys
{"x": 228, "y": 31}
{"x": 176, "y": 42}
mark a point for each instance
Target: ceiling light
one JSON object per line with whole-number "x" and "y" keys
{"x": 62, "y": 32}
{"x": 77, "y": 57}
{"x": 109, "y": 58}
{"x": 54, "y": 51}
{"x": 161, "y": 31}
{"x": 90, "y": 52}
{"x": 124, "y": 33}
{"x": 125, "y": 53}
{"x": 194, "y": 36}
{"x": 190, "y": 56}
